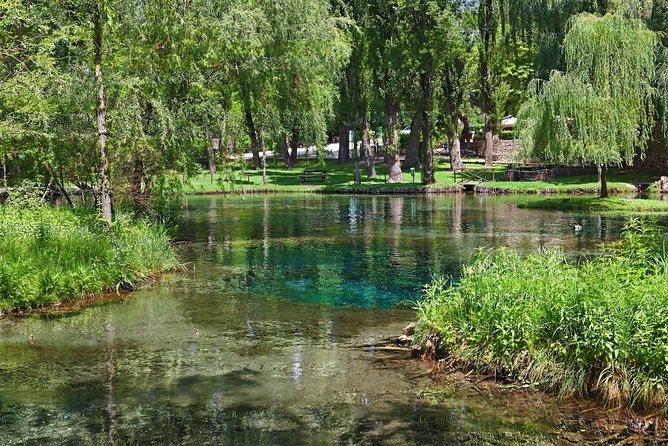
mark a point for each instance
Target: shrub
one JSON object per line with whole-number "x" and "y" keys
{"x": 596, "y": 327}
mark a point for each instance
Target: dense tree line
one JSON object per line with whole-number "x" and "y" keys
{"x": 118, "y": 96}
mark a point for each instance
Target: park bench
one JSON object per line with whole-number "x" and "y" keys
{"x": 313, "y": 174}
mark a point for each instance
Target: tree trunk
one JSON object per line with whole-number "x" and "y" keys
{"x": 294, "y": 145}
{"x": 466, "y": 131}
{"x": 428, "y": 168}
{"x": 223, "y": 142}
{"x": 369, "y": 157}
{"x": 60, "y": 184}
{"x": 603, "y": 193}
{"x": 250, "y": 125}
{"x": 263, "y": 146}
{"x": 285, "y": 146}
{"x": 101, "y": 113}
{"x": 136, "y": 176}
{"x": 358, "y": 179}
{"x": 344, "y": 145}
{"x": 392, "y": 140}
{"x": 455, "y": 153}
{"x": 16, "y": 165}
{"x": 427, "y": 96}
{"x": 455, "y": 147}
{"x": 487, "y": 30}
{"x": 4, "y": 172}
{"x": 413, "y": 148}
{"x": 212, "y": 149}
{"x": 489, "y": 141}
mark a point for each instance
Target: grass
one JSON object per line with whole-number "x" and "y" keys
{"x": 592, "y": 328}
{"x": 564, "y": 185}
{"x": 282, "y": 179}
{"x": 341, "y": 178}
{"x": 50, "y": 255}
{"x": 619, "y": 181}
{"x": 601, "y": 205}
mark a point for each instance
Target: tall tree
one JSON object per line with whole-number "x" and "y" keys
{"x": 385, "y": 49}
{"x": 431, "y": 30}
{"x": 601, "y": 110}
{"x": 487, "y": 21}
{"x": 455, "y": 89}
{"x": 456, "y": 80}
{"x": 99, "y": 21}
{"x": 307, "y": 48}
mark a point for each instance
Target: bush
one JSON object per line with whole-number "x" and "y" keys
{"x": 597, "y": 327}
{"x": 49, "y": 255}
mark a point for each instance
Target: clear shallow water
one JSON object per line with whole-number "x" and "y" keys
{"x": 285, "y": 291}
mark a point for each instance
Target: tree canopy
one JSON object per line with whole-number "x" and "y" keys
{"x": 155, "y": 89}
{"x": 601, "y": 109}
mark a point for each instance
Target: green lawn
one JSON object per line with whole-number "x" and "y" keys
{"x": 281, "y": 179}
{"x": 341, "y": 178}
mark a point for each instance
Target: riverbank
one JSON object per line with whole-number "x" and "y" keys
{"x": 340, "y": 179}
{"x": 594, "y": 328}
{"x": 50, "y": 256}
{"x": 593, "y": 204}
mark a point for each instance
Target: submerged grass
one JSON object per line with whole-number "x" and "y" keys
{"x": 592, "y": 328}
{"x": 50, "y": 255}
{"x": 611, "y": 204}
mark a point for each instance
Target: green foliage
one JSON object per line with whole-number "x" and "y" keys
{"x": 173, "y": 75}
{"x": 600, "y": 110}
{"x": 50, "y": 255}
{"x": 27, "y": 195}
{"x": 594, "y": 327}
{"x": 167, "y": 199}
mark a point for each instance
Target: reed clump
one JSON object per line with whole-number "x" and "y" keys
{"x": 50, "y": 255}
{"x": 594, "y": 328}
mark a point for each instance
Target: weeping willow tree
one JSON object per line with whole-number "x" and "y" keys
{"x": 600, "y": 111}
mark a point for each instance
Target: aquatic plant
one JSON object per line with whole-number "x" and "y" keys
{"x": 49, "y": 255}
{"x": 596, "y": 327}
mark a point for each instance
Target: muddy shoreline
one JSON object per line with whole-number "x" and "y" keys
{"x": 579, "y": 421}
{"x": 77, "y": 304}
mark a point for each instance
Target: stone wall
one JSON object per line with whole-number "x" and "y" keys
{"x": 656, "y": 156}
{"x": 504, "y": 149}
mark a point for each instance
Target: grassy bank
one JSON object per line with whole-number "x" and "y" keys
{"x": 341, "y": 178}
{"x": 612, "y": 204}
{"x": 50, "y": 255}
{"x": 596, "y": 328}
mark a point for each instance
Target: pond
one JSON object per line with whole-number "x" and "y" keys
{"x": 263, "y": 338}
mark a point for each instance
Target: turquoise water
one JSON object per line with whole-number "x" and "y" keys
{"x": 261, "y": 339}
{"x": 365, "y": 251}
